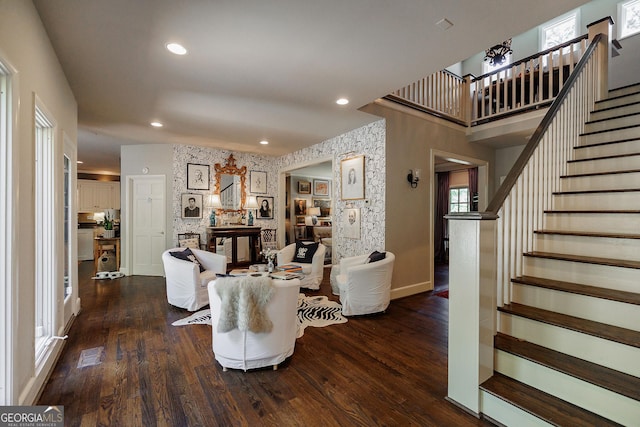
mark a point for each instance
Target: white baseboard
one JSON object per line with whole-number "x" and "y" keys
{"x": 409, "y": 290}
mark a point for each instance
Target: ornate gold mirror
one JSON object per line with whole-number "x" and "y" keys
{"x": 230, "y": 184}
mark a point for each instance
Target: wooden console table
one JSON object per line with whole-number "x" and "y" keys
{"x": 233, "y": 232}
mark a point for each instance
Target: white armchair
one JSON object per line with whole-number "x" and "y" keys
{"x": 186, "y": 285}
{"x": 363, "y": 287}
{"x": 238, "y": 349}
{"x": 312, "y": 271}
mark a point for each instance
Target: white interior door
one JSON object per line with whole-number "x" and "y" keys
{"x": 148, "y": 225}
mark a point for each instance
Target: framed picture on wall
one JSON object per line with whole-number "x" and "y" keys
{"x": 320, "y": 187}
{"x": 257, "y": 182}
{"x": 300, "y": 206}
{"x": 266, "y": 207}
{"x": 197, "y": 177}
{"x": 351, "y": 223}
{"x": 191, "y": 206}
{"x": 324, "y": 205}
{"x": 304, "y": 187}
{"x": 352, "y": 178}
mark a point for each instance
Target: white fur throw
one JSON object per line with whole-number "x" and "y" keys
{"x": 243, "y": 303}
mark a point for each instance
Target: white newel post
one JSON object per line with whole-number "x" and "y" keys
{"x": 472, "y": 305}
{"x": 604, "y": 27}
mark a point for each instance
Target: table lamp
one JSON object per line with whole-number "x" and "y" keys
{"x": 252, "y": 203}
{"x": 313, "y": 213}
{"x": 213, "y": 203}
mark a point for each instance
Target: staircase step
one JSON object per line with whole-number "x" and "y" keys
{"x": 619, "y": 110}
{"x": 593, "y": 199}
{"x": 593, "y": 220}
{"x": 542, "y": 405}
{"x": 612, "y": 262}
{"x": 624, "y": 90}
{"x": 580, "y": 289}
{"x": 620, "y": 179}
{"x": 609, "y": 135}
{"x": 584, "y": 326}
{"x": 615, "y": 99}
{"x": 622, "y": 120}
{"x": 610, "y": 163}
{"x": 625, "y": 246}
{"x": 606, "y": 149}
{"x": 610, "y": 379}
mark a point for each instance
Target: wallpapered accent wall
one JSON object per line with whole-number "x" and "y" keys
{"x": 368, "y": 140}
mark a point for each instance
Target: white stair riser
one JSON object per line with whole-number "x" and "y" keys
{"x": 601, "y": 182}
{"x": 507, "y": 414}
{"x": 597, "y": 309}
{"x": 604, "y": 165}
{"x": 611, "y": 354}
{"x": 602, "y": 222}
{"x": 619, "y": 278}
{"x": 613, "y": 135}
{"x": 613, "y": 123}
{"x": 595, "y": 201}
{"x": 627, "y": 147}
{"x": 625, "y": 249}
{"x": 617, "y": 101}
{"x": 615, "y": 112}
{"x": 627, "y": 90}
{"x": 603, "y": 402}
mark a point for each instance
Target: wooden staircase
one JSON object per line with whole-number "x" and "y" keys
{"x": 567, "y": 352}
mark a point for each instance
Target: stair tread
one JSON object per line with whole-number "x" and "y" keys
{"x": 612, "y": 156}
{"x": 593, "y": 211}
{"x": 590, "y": 234}
{"x": 597, "y": 329}
{"x": 614, "y": 172}
{"x": 581, "y": 289}
{"x": 607, "y": 378}
{"x": 597, "y": 144}
{"x": 615, "y": 190}
{"x": 540, "y": 404}
{"x": 585, "y": 259}
{"x": 615, "y": 106}
{"x": 597, "y": 132}
{"x": 611, "y": 118}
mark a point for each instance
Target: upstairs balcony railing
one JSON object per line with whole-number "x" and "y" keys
{"x": 527, "y": 84}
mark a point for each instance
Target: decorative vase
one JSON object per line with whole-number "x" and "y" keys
{"x": 250, "y": 221}
{"x": 270, "y": 265}
{"x": 109, "y": 234}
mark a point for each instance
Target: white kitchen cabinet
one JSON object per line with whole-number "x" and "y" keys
{"x": 98, "y": 195}
{"x": 85, "y": 244}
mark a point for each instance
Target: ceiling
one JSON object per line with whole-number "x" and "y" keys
{"x": 256, "y": 69}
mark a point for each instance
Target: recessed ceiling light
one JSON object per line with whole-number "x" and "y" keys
{"x": 176, "y": 48}
{"x": 264, "y": 142}
{"x": 79, "y": 162}
{"x": 444, "y": 24}
{"x": 342, "y": 101}
{"x": 156, "y": 124}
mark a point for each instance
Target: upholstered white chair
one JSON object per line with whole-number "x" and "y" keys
{"x": 244, "y": 350}
{"x": 312, "y": 271}
{"x": 186, "y": 284}
{"x": 364, "y": 287}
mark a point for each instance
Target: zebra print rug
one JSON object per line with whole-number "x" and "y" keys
{"x": 316, "y": 311}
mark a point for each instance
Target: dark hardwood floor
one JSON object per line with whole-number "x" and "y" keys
{"x": 388, "y": 369}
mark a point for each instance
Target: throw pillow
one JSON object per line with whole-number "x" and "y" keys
{"x": 304, "y": 252}
{"x": 376, "y": 256}
{"x": 187, "y": 255}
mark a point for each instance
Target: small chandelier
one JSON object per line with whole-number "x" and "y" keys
{"x": 498, "y": 53}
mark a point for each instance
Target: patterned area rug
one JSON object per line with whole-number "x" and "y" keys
{"x": 316, "y": 311}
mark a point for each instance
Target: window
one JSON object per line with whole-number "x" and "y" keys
{"x": 45, "y": 263}
{"x": 559, "y": 31}
{"x": 628, "y": 18}
{"x": 459, "y": 199}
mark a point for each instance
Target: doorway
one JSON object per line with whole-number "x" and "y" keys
{"x": 146, "y": 224}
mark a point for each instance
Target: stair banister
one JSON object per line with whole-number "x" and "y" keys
{"x": 486, "y": 247}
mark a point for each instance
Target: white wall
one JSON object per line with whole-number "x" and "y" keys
{"x": 24, "y": 45}
{"x": 505, "y": 159}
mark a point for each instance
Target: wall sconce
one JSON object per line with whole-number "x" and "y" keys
{"x": 213, "y": 203}
{"x": 414, "y": 177}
